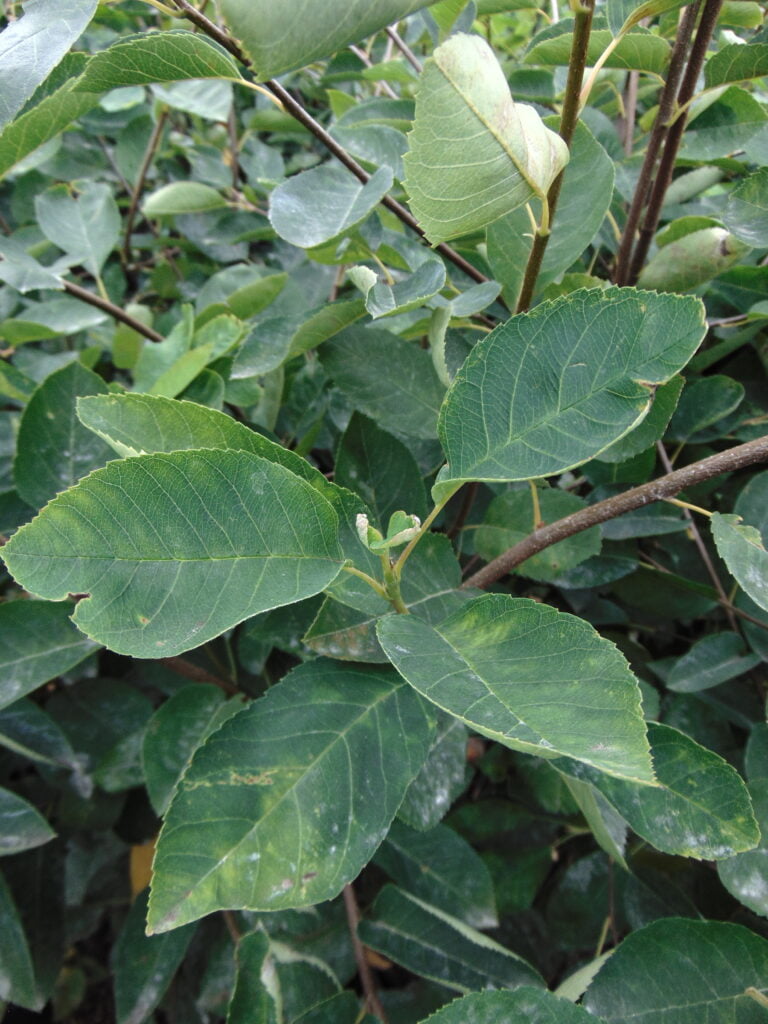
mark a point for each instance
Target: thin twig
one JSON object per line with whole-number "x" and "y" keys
{"x": 233, "y": 149}
{"x": 109, "y": 307}
{"x": 138, "y": 188}
{"x": 630, "y": 111}
{"x": 674, "y": 136}
{"x": 404, "y": 48}
{"x": 363, "y": 57}
{"x": 701, "y": 547}
{"x": 655, "y": 140}
{"x": 655, "y": 490}
{"x": 582, "y": 28}
{"x": 188, "y": 669}
{"x": 363, "y": 967}
{"x": 296, "y": 110}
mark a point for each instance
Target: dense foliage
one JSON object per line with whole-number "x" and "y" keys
{"x": 385, "y": 609}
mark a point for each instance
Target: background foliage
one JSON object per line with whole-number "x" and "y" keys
{"x": 340, "y": 601}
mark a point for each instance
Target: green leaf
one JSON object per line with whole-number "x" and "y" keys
{"x": 32, "y": 46}
{"x": 691, "y": 260}
{"x": 736, "y": 62}
{"x": 144, "y": 965}
{"x": 724, "y": 127}
{"x": 183, "y": 197}
{"x": 175, "y": 731}
{"x": 438, "y": 946}
{"x": 510, "y": 518}
{"x": 17, "y": 971}
{"x": 378, "y": 467}
{"x": 44, "y": 121}
{"x": 682, "y": 970}
{"x": 288, "y": 800}
{"x": 606, "y": 825}
{"x": 442, "y": 778}
{"x": 746, "y": 212}
{"x": 700, "y": 808}
{"x": 552, "y": 388}
{"x": 746, "y": 875}
{"x": 639, "y": 49}
{"x": 463, "y": 94}
{"x": 22, "y": 827}
{"x": 31, "y": 732}
{"x": 523, "y": 1006}
{"x": 441, "y": 868}
{"x": 528, "y": 676}
{"x": 389, "y": 299}
{"x": 280, "y": 37}
{"x": 712, "y": 660}
{"x": 584, "y": 200}
{"x": 752, "y": 503}
{"x": 389, "y": 379}
{"x": 741, "y": 548}
{"x": 704, "y": 402}
{"x": 54, "y": 451}
{"x": 155, "y": 57}
{"x": 651, "y": 429}
{"x": 216, "y": 538}
{"x": 255, "y": 996}
{"x": 37, "y": 642}
{"x": 22, "y": 271}
{"x": 86, "y": 228}
{"x": 322, "y": 204}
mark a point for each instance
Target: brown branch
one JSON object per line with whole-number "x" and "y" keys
{"x": 582, "y": 28}
{"x": 138, "y": 188}
{"x": 655, "y": 141}
{"x": 702, "y": 548}
{"x": 363, "y": 967}
{"x": 404, "y": 48}
{"x": 296, "y": 110}
{"x": 109, "y": 307}
{"x": 655, "y": 490}
{"x": 189, "y": 670}
{"x": 674, "y": 136}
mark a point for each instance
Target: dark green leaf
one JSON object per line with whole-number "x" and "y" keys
{"x": 741, "y": 548}
{"x": 523, "y": 1006}
{"x": 37, "y": 642}
{"x": 21, "y": 825}
{"x": 640, "y": 49}
{"x": 254, "y": 996}
{"x": 736, "y": 62}
{"x": 441, "y": 779}
{"x": 54, "y": 451}
{"x": 581, "y": 377}
{"x": 528, "y": 676}
{"x": 438, "y": 946}
{"x": 746, "y": 875}
{"x": 17, "y": 972}
{"x": 712, "y": 660}
{"x": 686, "y": 971}
{"x": 288, "y": 800}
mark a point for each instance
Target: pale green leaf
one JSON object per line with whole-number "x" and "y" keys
{"x": 441, "y": 868}
{"x": 202, "y": 97}
{"x": 441, "y": 780}
{"x": 523, "y": 1006}
{"x": 37, "y": 642}
{"x": 683, "y": 971}
{"x": 54, "y": 451}
{"x": 552, "y": 388}
{"x": 155, "y": 57}
{"x": 746, "y": 212}
{"x": 585, "y": 197}
{"x": 388, "y": 299}
{"x": 700, "y": 808}
{"x": 439, "y": 946}
{"x": 293, "y": 33}
{"x": 474, "y": 154}
{"x": 736, "y": 62}
{"x": 532, "y": 678}
{"x": 690, "y": 261}
{"x": 32, "y": 46}
{"x": 746, "y": 875}
{"x": 22, "y": 271}
{"x": 144, "y": 965}
{"x": 606, "y": 825}
{"x": 183, "y": 197}
{"x": 741, "y": 548}
{"x": 319, "y": 205}
{"x": 725, "y": 126}
{"x": 639, "y": 49}
{"x": 175, "y": 731}
{"x": 85, "y": 228}
{"x": 290, "y": 798}
{"x": 22, "y": 827}
{"x": 174, "y": 549}
{"x": 255, "y": 996}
